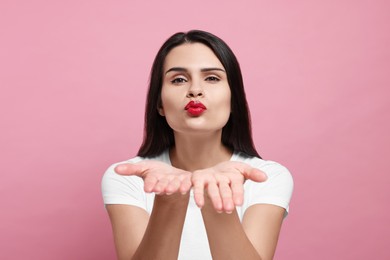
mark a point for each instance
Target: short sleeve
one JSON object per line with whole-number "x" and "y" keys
{"x": 118, "y": 189}
{"x": 276, "y": 190}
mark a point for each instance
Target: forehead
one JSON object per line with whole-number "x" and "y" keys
{"x": 191, "y": 56}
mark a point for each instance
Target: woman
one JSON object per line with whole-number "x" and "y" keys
{"x": 198, "y": 188}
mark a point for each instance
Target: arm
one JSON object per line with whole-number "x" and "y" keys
{"x": 262, "y": 224}
{"x": 128, "y": 225}
{"x": 138, "y": 236}
{"x": 255, "y": 238}
{"x": 163, "y": 234}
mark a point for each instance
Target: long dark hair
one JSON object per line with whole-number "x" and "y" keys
{"x": 236, "y": 134}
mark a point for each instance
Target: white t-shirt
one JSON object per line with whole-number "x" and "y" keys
{"x": 129, "y": 190}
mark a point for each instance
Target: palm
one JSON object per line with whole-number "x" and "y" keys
{"x": 224, "y": 184}
{"x": 158, "y": 177}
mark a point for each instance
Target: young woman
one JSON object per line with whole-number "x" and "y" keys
{"x": 198, "y": 188}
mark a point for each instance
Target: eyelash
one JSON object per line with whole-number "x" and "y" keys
{"x": 182, "y": 80}
{"x": 178, "y": 81}
{"x": 212, "y": 78}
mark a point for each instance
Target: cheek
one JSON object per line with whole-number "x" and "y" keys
{"x": 164, "y": 98}
{"x": 224, "y": 107}
{"x": 227, "y": 109}
{"x": 169, "y": 101}
{"x": 228, "y": 100}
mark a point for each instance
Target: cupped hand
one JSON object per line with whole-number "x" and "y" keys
{"x": 224, "y": 184}
{"x": 159, "y": 177}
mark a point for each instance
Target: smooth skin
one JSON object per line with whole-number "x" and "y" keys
{"x": 199, "y": 161}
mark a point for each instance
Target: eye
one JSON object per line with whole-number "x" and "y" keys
{"x": 212, "y": 79}
{"x": 178, "y": 81}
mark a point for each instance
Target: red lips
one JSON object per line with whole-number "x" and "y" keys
{"x": 195, "y": 108}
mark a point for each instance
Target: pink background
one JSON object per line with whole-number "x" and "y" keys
{"x": 73, "y": 79}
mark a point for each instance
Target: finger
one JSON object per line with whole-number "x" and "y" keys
{"x": 198, "y": 189}
{"x": 237, "y": 192}
{"x": 185, "y": 185}
{"x": 256, "y": 175}
{"x": 149, "y": 183}
{"x": 226, "y": 196}
{"x": 215, "y": 197}
{"x": 161, "y": 185}
{"x": 129, "y": 169}
{"x": 172, "y": 186}
{"x": 251, "y": 173}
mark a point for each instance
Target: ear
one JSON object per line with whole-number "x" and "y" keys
{"x": 161, "y": 111}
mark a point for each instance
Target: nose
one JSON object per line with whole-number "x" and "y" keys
{"x": 194, "y": 92}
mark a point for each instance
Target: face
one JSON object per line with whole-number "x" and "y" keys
{"x": 195, "y": 93}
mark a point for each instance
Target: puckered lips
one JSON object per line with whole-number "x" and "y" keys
{"x": 195, "y": 108}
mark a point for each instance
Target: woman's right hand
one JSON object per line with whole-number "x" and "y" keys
{"x": 159, "y": 178}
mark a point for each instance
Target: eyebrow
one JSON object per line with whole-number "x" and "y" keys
{"x": 181, "y": 69}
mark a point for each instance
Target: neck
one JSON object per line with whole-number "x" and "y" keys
{"x": 198, "y": 152}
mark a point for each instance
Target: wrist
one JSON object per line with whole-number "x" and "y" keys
{"x": 176, "y": 199}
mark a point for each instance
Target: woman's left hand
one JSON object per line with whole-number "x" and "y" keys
{"x": 224, "y": 184}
